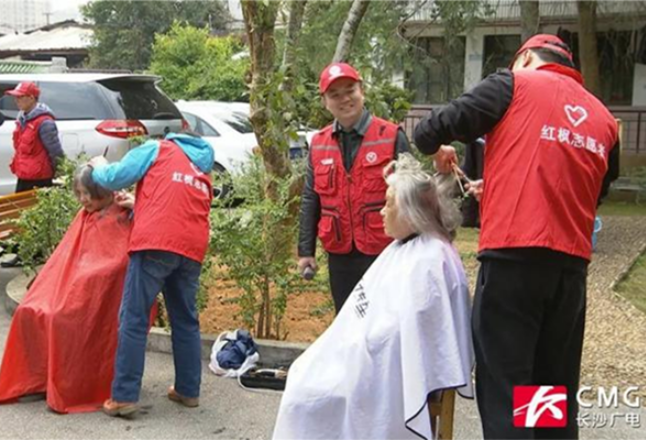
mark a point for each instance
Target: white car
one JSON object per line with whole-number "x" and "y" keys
{"x": 226, "y": 126}
{"x": 93, "y": 112}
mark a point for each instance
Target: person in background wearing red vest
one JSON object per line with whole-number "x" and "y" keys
{"x": 551, "y": 150}
{"x": 344, "y": 188}
{"x": 169, "y": 239}
{"x": 35, "y": 140}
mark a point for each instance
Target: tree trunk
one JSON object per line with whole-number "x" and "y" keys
{"x": 588, "y": 53}
{"x": 260, "y": 324}
{"x": 530, "y": 20}
{"x": 266, "y": 303}
{"x": 296, "y": 12}
{"x": 260, "y": 21}
{"x": 350, "y": 27}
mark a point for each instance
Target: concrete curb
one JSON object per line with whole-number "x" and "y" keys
{"x": 272, "y": 353}
{"x": 275, "y": 353}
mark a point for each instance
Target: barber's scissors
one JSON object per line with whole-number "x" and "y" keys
{"x": 459, "y": 176}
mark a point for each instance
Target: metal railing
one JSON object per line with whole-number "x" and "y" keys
{"x": 633, "y": 125}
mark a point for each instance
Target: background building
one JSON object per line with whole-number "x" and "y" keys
{"x": 445, "y": 67}
{"x": 23, "y": 15}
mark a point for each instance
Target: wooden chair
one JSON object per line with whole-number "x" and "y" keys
{"x": 10, "y": 208}
{"x": 441, "y": 406}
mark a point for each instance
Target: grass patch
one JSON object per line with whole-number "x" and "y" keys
{"x": 466, "y": 240}
{"x": 622, "y": 208}
{"x": 633, "y": 287}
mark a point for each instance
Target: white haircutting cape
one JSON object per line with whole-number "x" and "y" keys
{"x": 403, "y": 333}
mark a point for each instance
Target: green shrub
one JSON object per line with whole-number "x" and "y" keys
{"x": 196, "y": 65}
{"x": 244, "y": 242}
{"x": 42, "y": 227}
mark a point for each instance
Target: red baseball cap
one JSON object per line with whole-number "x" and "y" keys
{"x": 25, "y": 89}
{"x": 336, "y": 71}
{"x": 545, "y": 41}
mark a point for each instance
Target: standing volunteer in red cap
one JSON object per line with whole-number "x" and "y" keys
{"x": 549, "y": 145}
{"x": 345, "y": 189}
{"x": 35, "y": 140}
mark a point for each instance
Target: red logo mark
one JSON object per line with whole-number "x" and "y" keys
{"x": 540, "y": 406}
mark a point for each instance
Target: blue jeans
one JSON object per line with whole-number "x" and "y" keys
{"x": 151, "y": 272}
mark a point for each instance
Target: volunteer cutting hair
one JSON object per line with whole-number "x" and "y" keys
{"x": 551, "y": 152}
{"x": 402, "y": 334}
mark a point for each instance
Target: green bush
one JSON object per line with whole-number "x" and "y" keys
{"x": 196, "y": 65}
{"x": 42, "y": 227}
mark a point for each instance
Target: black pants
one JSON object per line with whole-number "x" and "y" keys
{"x": 26, "y": 185}
{"x": 528, "y": 324}
{"x": 345, "y": 272}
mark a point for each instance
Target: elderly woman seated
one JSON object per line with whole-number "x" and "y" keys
{"x": 63, "y": 336}
{"x": 403, "y": 333}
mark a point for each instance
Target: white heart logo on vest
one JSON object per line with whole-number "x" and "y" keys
{"x": 371, "y": 157}
{"x": 576, "y": 115}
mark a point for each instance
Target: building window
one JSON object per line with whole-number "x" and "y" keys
{"x": 437, "y": 74}
{"x": 499, "y": 50}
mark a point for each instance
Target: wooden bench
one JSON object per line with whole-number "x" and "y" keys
{"x": 10, "y": 208}
{"x": 441, "y": 406}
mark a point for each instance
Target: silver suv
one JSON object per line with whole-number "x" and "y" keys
{"x": 93, "y": 112}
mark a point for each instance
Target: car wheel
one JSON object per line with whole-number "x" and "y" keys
{"x": 222, "y": 184}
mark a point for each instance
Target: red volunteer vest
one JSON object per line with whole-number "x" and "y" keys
{"x": 30, "y": 161}
{"x": 350, "y": 202}
{"x": 172, "y": 206}
{"x": 544, "y": 165}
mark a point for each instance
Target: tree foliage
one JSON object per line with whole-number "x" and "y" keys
{"x": 124, "y": 30}
{"x": 377, "y": 42}
{"x": 196, "y": 65}
{"x": 376, "y": 51}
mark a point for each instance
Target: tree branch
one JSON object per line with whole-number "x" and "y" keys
{"x": 350, "y": 27}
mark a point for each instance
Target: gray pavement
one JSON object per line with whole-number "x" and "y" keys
{"x": 226, "y": 411}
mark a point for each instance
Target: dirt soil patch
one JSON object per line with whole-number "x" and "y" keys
{"x": 308, "y": 313}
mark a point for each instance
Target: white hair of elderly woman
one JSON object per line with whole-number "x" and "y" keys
{"x": 423, "y": 201}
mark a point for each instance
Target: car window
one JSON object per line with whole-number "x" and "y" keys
{"x": 239, "y": 121}
{"x": 199, "y": 125}
{"x": 7, "y": 103}
{"x": 75, "y": 101}
{"x": 138, "y": 99}
{"x": 68, "y": 101}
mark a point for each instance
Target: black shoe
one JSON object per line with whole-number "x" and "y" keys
{"x": 14, "y": 262}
